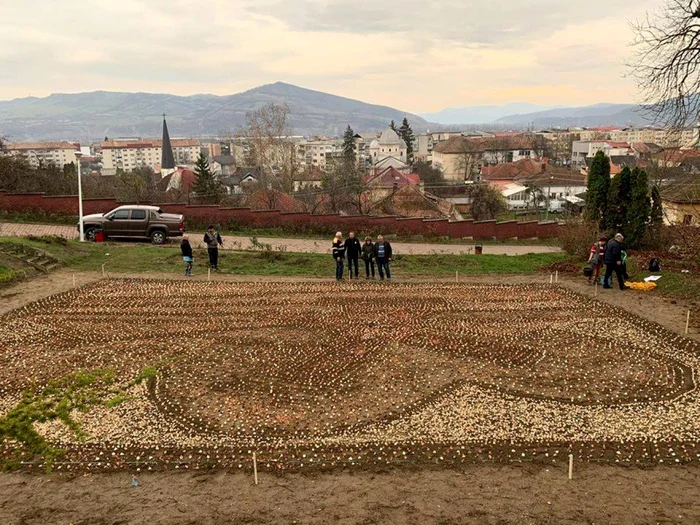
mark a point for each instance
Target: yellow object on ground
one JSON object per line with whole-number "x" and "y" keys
{"x": 644, "y": 286}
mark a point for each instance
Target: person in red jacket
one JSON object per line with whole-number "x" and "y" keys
{"x": 596, "y": 256}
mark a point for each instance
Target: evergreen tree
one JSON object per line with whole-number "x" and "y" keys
{"x": 392, "y": 125}
{"x": 207, "y": 187}
{"x": 618, "y": 203}
{"x": 406, "y": 133}
{"x": 639, "y": 212}
{"x": 349, "y": 145}
{"x": 598, "y": 186}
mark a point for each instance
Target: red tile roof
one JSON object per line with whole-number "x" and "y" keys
{"x": 456, "y": 145}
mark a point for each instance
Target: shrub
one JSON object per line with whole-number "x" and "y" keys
{"x": 577, "y": 236}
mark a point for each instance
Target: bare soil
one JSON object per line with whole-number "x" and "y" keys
{"x": 478, "y": 495}
{"x": 527, "y": 493}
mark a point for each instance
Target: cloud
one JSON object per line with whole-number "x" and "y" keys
{"x": 407, "y": 54}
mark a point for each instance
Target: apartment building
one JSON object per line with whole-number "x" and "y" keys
{"x": 44, "y": 153}
{"x": 317, "y": 152}
{"x": 663, "y": 137}
{"x": 582, "y": 149}
{"x": 128, "y": 154}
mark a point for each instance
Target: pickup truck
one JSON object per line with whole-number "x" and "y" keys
{"x": 134, "y": 221}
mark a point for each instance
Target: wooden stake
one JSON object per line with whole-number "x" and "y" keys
{"x": 255, "y": 468}
{"x": 208, "y": 274}
{"x": 73, "y": 280}
{"x": 103, "y": 270}
{"x": 596, "y": 289}
{"x": 551, "y": 278}
{"x": 687, "y": 323}
{"x": 456, "y": 276}
{"x": 571, "y": 466}
{"x": 556, "y": 276}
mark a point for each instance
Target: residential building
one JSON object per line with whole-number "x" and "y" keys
{"x": 680, "y": 199}
{"x": 667, "y": 138}
{"x": 311, "y": 177}
{"x": 44, "y": 153}
{"x": 584, "y": 149}
{"x": 317, "y": 152}
{"x": 223, "y": 165}
{"x": 128, "y": 154}
{"x": 426, "y": 142}
{"x": 461, "y": 158}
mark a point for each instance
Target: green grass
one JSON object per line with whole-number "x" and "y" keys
{"x": 147, "y": 258}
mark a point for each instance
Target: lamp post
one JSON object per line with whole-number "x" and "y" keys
{"x": 549, "y": 196}
{"x": 78, "y": 155}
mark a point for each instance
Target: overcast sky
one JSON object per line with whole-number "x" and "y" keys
{"x": 415, "y": 55}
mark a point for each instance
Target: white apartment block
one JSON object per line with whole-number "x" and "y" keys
{"x": 317, "y": 152}
{"x": 44, "y": 153}
{"x": 128, "y": 154}
{"x": 663, "y": 137}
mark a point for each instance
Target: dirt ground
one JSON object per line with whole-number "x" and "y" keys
{"x": 484, "y": 494}
{"x": 476, "y": 493}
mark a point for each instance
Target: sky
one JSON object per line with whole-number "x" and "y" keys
{"x": 414, "y": 55}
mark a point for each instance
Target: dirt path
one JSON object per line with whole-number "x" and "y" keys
{"x": 232, "y": 242}
{"x": 477, "y": 494}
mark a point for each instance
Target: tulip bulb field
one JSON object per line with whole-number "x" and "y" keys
{"x": 131, "y": 374}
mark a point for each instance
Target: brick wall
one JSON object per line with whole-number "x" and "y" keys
{"x": 200, "y": 216}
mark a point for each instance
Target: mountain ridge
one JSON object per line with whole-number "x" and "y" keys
{"x": 95, "y": 114}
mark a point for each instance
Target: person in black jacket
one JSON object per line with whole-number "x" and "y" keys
{"x": 613, "y": 262}
{"x": 186, "y": 250}
{"x": 213, "y": 240}
{"x": 382, "y": 254}
{"x": 353, "y": 248}
{"x": 368, "y": 256}
{"x": 338, "y": 255}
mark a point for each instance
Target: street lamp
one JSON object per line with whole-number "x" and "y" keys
{"x": 78, "y": 155}
{"x": 549, "y": 196}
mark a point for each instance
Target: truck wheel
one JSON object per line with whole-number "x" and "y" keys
{"x": 159, "y": 237}
{"x": 90, "y": 233}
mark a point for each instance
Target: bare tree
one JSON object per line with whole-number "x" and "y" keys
{"x": 667, "y": 62}
{"x": 270, "y": 147}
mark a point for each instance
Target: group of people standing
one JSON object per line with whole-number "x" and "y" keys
{"x": 379, "y": 254}
{"x": 212, "y": 240}
{"x": 610, "y": 253}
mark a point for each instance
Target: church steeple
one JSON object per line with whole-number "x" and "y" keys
{"x": 167, "y": 159}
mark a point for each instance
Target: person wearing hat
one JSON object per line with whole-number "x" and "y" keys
{"x": 595, "y": 259}
{"x": 613, "y": 262}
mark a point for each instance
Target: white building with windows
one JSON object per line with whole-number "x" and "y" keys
{"x": 44, "y": 153}
{"x": 128, "y": 154}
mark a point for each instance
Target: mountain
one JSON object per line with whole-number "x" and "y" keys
{"x": 480, "y": 114}
{"x": 94, "y": 115}
{"x": 587, "y": 116}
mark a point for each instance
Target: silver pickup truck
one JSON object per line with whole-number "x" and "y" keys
{"x": 134, "y": 222}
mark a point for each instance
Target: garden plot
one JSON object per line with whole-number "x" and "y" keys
{"x": 178, "y": 374}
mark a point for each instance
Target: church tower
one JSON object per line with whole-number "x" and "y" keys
{"x": 167, "y": 159}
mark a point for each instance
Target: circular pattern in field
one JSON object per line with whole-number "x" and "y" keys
{"x": 332, "y": 368}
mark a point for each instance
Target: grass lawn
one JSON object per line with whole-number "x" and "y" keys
{"x": 141, "y": 258}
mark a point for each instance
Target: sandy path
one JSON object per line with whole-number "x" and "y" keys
{"x": 292, "y": 244}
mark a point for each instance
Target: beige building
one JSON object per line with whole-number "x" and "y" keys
{"x": 44, "y": 153}
{"x": 461, "y": 158}
{"x": 389, "y": 144}
{"x": 128, "y": 154}
{"x": 663, "y": 137}
{"x": 310, "y": 153}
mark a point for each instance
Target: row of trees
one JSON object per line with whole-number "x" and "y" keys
{"x": 623, "y": 203}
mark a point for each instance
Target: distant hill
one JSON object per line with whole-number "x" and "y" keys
{"x": 92, "y": 116}
{"x": 481, "y": 114}
{"x": 587, "y": 116}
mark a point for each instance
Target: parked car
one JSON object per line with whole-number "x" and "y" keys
{"x": 134, "y": 222}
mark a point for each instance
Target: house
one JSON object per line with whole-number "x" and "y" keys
{"x": 587, "y": 149}
{"x": 389, "y": 144}
{"x": 389, "y": 181}
{"x": 411, "y": 201}
{"x": 680, "y": 200}
{"x": 461, "y": 158}
{"x": 223, "y": 165}
{"x": 44, "y": 153}
{"x": 241, "y": 179}
{"x": 309, "y": 178}
{"x": 178, "y": 184}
